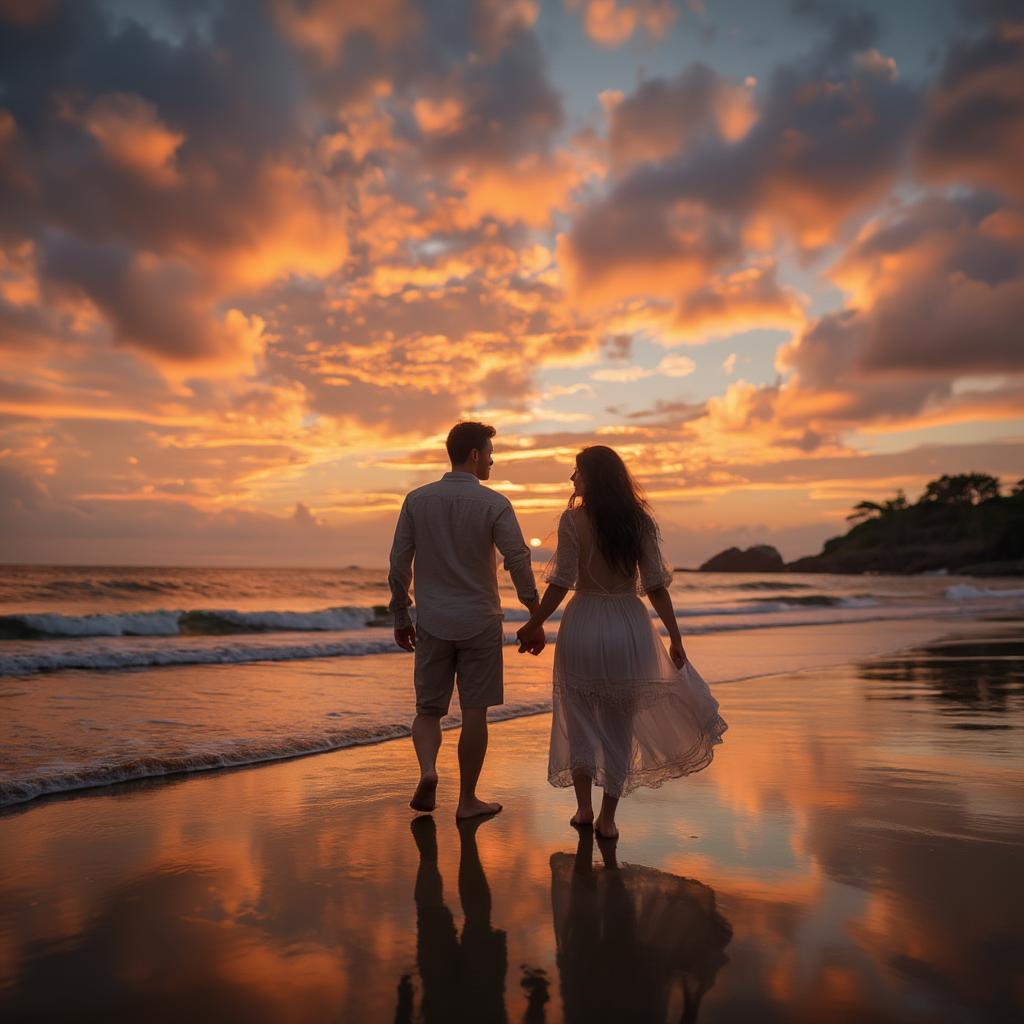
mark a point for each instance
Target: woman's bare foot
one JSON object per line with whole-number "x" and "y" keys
{"x": 604, "y": 829}
{"x": 425, "y": 797}
{"x": 582, "y": 819}
{"x": 475, "y": 808}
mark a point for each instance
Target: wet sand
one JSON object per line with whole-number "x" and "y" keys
{"x": 853, "y": 853}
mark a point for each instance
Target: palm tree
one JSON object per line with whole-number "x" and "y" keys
{"x": 961, "y": 489}
{"x": 897, "y": 504}
{"x": 865, "y": 510}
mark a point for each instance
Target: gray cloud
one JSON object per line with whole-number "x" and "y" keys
{"x": 663, "y": 114}
{"x": 507, "y": 107}
{"x": 830, "y": 134}
{"x": 974, "y": 125}
{"x": 949, "y": 279}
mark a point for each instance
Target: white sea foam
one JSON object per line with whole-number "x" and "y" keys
{"x": 106, "y": 658}
{"x": 178, "y": 622}
{"x": 157, "y": 623}
{"x": 326, "y": 619}
{"x": 155, "y": 654}
{"x": 62, "y": 778}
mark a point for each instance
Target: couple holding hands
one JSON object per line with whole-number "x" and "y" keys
{"x": 626, "y": 711}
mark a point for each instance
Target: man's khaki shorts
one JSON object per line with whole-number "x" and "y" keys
{"x": 476, "y": 663}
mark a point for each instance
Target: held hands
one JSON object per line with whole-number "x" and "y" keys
{"x": 532, "y": 639}
{"x": 405, "y": 637}
{"x": 677, "y": 654}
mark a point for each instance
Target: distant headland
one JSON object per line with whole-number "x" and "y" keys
{"x": 962, "y": 523}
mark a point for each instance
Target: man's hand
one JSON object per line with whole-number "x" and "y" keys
{"x": 531, "y": 639}
{"x": 677, "y": 654}
{"x": 405, "y": 637}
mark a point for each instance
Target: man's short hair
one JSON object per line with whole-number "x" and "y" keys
{"x": 464, "y": 437}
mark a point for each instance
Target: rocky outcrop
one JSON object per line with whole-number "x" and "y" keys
{"x": 760, "y": 558}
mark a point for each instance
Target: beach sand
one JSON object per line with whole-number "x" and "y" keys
{"x": 853, "y": 853}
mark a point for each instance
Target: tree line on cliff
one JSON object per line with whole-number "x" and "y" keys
{"x": 961, "y": 523}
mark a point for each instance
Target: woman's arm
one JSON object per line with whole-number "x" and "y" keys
{"x": 662, "y": 604}
{"x": 553, "y": 597}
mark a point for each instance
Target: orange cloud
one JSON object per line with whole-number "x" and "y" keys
{"x": 663, "y": 115}
{"x": 612, "y": 22}
{"x": 131, "y": 134}
{"x": 740, "y": 301}
{"x": 531, "y": 190}
{"x": 323, "y": 26}
{"x": 19, "y": 281}
{"x": 974, "y": 125}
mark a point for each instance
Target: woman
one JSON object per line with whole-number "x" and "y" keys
{"x": 626, "y": 712}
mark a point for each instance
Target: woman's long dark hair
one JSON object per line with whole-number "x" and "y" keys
{"x": 615, "y": 505}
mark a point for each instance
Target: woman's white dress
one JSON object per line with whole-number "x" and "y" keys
{"x": 622, "y": 712}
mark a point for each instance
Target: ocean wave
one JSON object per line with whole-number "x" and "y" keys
{"x": 815, "y": 601}
{"x": 106, "y": 588}
{"x": 68, "y": 778}
{"x": 29, "y": 626}
{"x": 326, "y": 619}
{"x": 749, "y": 606}
{"x": 227, "y": 621}
{"x": 967, "y": 592}
{"x": 771, "y": 585}
{"x": 38, "y": 625}
{"x": 115, "y": 657}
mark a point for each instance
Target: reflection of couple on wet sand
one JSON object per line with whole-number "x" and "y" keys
{"x": 462, "y": 976}
{"x": 634, "y": 944}
{"x": 626, "y": 711}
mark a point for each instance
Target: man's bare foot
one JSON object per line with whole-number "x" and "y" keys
{"x": 425, "y": 797}
{"x": 604, "y": 830}
{"x": 475, "y": 808}
{"x": 582, "y": 819}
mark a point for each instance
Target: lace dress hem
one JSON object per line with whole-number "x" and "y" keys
{"x": 651, "y": 776}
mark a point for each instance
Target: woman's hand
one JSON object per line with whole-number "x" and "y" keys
{"x": 677, "y": 654}
{"x": 531, "y": 638}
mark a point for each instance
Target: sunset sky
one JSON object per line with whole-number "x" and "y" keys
{"x": 257, "y": 257}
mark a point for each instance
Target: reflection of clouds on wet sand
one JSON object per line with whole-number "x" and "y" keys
{"x": 861, "y": 843}
{"x": 633, "y": 943}
{"x": 864, "y": 837}
{"x": 972, "y": 679}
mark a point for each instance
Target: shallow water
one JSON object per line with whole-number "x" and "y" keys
{"x": 62, "y": 731}
{"x": 115, "y": 673}
{"x": 853, "y": 853}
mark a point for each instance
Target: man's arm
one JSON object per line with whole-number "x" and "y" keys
{"x": 508, "y": 539}
{"x": 403, "y": 548}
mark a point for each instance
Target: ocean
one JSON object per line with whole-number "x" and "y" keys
{"x": 110, "y": 674}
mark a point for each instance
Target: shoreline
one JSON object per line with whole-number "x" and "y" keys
{"x": 717, "y": 666}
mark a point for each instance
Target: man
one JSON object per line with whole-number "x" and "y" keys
{"x": 451, "y": 527}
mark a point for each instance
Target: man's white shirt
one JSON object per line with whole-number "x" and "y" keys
{"x": 450, "y": 528}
